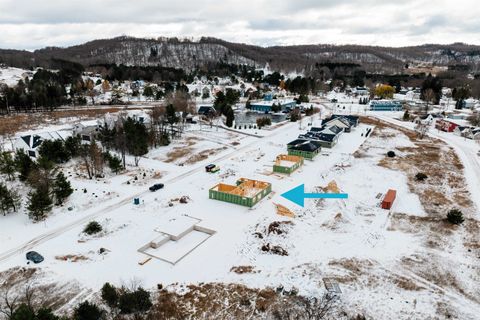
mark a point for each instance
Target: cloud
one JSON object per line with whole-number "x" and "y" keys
{"x": 27, "y": 24}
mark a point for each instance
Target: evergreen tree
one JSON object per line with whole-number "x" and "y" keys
{"x": 88, "y": 311}
{"x": 435, "y": 84}
{"x": 136, "y": 138}
{"x": 7, "y": 165}
{"x": 455, "y": 216}
{"x": 406, "y": 116}
{"x": 62, "y": 188}
{"x": 230, "y": 116}
{"x": 137, "y": 301}
{"x": 9, "y": 199}
{"x": 72, "y": 146}
{"x": 46, "y": 314}
{"x": 115, "y": 164}
{"x": 39, "y": 204}
{"x": 23, "y": 312}
{"x": 54, "y": 150}
{"x": 110, "y": 295}
{"x": 24, "y": 164}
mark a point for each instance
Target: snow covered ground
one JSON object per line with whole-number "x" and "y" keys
{"x": 11, "y": 76}
{"x": 347, "y": 240}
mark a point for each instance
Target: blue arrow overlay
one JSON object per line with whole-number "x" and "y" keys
{"x": 297, "y": 195}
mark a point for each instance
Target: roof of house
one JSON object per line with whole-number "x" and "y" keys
{"x": 321, "y": 136}
{"x": 332, "y": 129}
{"x": 305, "y": 145}
{"x": 205, "y": 109}
{"x": 343, "y": 120}
{"x": 352, "y": 119}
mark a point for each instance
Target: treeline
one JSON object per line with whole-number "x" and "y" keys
{"x": 114, "y": 72}
{"x": 116, "y": 303}
{"x": 45, "y": 91}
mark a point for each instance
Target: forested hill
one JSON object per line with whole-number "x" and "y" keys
{"x": 188, "y": 55}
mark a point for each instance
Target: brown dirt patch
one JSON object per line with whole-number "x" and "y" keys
{"x": 19, "y": 122}
{"x": 244, "y": 269}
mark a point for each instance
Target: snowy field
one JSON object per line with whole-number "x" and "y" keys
{"x": 348, "y": 240}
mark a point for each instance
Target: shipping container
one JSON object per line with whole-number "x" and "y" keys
{"x": 389, "y": 199}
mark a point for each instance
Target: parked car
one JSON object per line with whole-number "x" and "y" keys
{"x": 156, "y": 186}
{"x": 209, "y": 167}
{"x": 34, "y": 256}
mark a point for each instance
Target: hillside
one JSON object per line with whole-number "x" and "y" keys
{"x": 188, "y": 54}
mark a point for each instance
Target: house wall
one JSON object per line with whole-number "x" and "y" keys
{"x": 304, "y": 154}
{"x": 287, "y": 170}
{"x": 237, "y": 199}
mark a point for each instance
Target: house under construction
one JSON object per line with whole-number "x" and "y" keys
{"x": 287, "y": 163}
{"x": 246, "y": 192}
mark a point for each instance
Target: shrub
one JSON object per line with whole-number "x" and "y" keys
{"x": 264, "y": 121}
{"x": 421, "y": 176}
{"x": 137, "y": 301}
{"x": 88, "y": 311}
{"x": 391, "y": 154}
{"x": 455, "y": 216}
{"x": 93, "y": 227}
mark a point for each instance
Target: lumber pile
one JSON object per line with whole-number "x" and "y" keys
{"x": 284, "y": 211}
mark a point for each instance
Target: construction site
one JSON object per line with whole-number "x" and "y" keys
{"x": 287, "y": 163}
{"x": 246, "y": 192}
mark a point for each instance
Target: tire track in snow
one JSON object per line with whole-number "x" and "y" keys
{"x": 63, "y": 229}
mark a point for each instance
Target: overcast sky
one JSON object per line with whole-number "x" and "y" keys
{"x": 32, "y": 24}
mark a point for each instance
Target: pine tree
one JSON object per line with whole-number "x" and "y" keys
{"x": 455, "y": 216}
{"x": 230, "y": 116}
{"x": 39, "y": 204}
{"x": 88, "y": 311}
{"x": 62, "y": 188}
{"x": 115, "y": 164}
{"x": 110, "y": 295}
{"x": 9, "y": 199}
{"x": 7, "y": 165}
{"x": 25, "y": 165}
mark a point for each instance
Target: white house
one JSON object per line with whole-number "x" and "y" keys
{"x": 86, "y": 129}
{"x": 30, "y": 143}
{"x": 339, "y": 122}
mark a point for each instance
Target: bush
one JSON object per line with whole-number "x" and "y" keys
{"x": 264, "y": 121}
{"x": 137, "y": 301}
{"x": 88, "y": 311}
{"x": 390, "y": 154}
{"x": 455, "y": 216}
{"x": 294, "y": 116}
{"x": 421, "y": 176}
{"x": 93, "y": 227}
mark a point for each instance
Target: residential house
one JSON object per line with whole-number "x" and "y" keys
{"x": 326, "y": 140}
{"x": 206, "y": 110}
{"x": 30, "y": 143}
{"x": 354, "y": 120}
{"x": 333, "y": 130}
{"x": 385, "y": 105}
{"x": 266, "y": 104}
{"x": 287, "y": 163}
{"x": 246, "y": 192}
{"x": 445, "y": 125}
{"x": 305, "y": 148}
{"x": 86, "y": 130}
